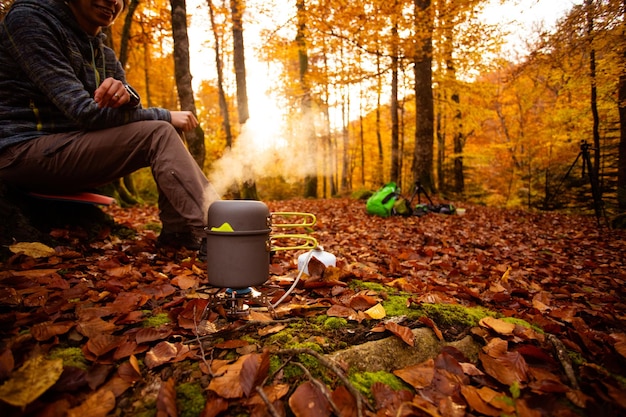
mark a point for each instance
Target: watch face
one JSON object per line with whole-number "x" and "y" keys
{"x": 133, "y": 95}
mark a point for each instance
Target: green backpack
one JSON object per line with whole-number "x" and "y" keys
{"x": 382, "y": 201}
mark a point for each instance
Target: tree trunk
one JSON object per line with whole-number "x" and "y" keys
{"x": 223, "y": 102}
{"x": 128, "y": 21}
{"x": 236, "y": 7}
{"x": 195, "y": 138}
{"x": 424, "y": 111}
{"x": 249, "y": 190}
{"x": 594, "y": 91}
{"x": 345, "y": 139}
{"x": 394, "y": 175}
{"x": 459, "y": 139}
{"x": 378, "y": 175}
{"x": 621, "y": 169}
{"x": 440, "y": 126}
{"x": 310, "y": 181}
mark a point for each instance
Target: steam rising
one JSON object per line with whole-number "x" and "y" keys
{"x": 261, "y": 151}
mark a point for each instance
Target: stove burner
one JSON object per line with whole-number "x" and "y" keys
{"x": 238, "y": 301}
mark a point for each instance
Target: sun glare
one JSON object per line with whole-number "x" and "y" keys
{"x": 266, "y": 123}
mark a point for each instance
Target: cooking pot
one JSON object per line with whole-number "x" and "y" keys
{"x": 239, "y": 242}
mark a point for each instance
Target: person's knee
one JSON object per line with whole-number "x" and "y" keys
{"x": 163, "y": 139}
{"x": 161, "y": 128}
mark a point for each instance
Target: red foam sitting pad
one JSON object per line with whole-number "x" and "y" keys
{"x": 82, "y": 197}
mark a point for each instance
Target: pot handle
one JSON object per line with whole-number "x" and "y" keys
{"x": 307, "y": 219}
{"x": 309, "y": 242}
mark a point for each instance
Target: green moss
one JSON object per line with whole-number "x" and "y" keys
{"x": 281, "y": 338}
{"x": 308, "y": 361}
{"x": 298, "y": 325}
{"x": 398, "y": 305}
{"x": 156, "y": 320}
{"x": 125, "y": 232}
{"x": 576, "y": 358}
{"x": 292, "y": 372}
{"x": 275, "y": 364}
{"x": 515, "y": 390}
{"x": 364, "y": 285}
{"x": 72, "y": 356}
{"x": 363, "y": 381}
{"x": 454, "y": 314}
{"x": 362, "y": 194}
{"x": 522, "y": 323}
{"x": 249, "y": 339}
{"x": 190, "y": 399}
{"x": 334, "y": 323}
{"x": 305, "y": 345}
{"x": 621, "y": 379}
{"x": 156, "y": 227}
{"x": 147, "y": 409}
{"x": 144, "y": 412}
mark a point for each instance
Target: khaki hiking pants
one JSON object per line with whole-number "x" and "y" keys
{"x": 75, "y": 161}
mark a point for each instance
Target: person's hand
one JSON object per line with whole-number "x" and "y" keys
{"x": 184, "y": 120}
{"x": 111, "y": 93}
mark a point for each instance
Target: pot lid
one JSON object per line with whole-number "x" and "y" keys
{"x": 241, "y": 215}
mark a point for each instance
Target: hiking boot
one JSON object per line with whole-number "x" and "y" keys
{"x": 202, "y": 250}
{"x": 179, "y": 240}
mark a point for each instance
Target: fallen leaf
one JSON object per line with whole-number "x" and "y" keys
{"x": 46, "y": 330}
{"x": 214, "y": 406}
{"x": 620, "y": 343}
{"x": 98, "y": 404}
{"x": 376, "y": 312}
{"x": 477, "y": 403}
{"x": 33, "y": 249}
{"x": 430, "y": 323}
{"x": 402, "y": 332}
{"x": 497, "y": 325}
{"x": 308, "y": 401}
{"x": 151, "y": 334}
{"x": 160, "y": 354}
{"x": 166, "y": 399}
{"x": 362, "y": 302}
{"x": 104, "y": 343}
{"x": 264, "y": 331}
{"x": 507, "y": 367}
{"x": 129, "y": 371}
{"x": 273, "y": 393}
{"x": 253, "y": 371}
{"x": 228, "y": 385}
{"x": 418, "y": 376}
{"x": 7, "y": 364}
{"x": 30, "y": 381}
{"x": 185, "y": 282}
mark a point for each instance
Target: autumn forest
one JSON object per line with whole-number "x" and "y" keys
{"x": 512, "y": 306}
{"x": 404, "y": 91}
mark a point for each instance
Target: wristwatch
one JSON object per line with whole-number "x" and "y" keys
{"x": 134, "y": 97}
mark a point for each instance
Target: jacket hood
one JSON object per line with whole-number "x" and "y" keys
{"x": 60, "y": 10}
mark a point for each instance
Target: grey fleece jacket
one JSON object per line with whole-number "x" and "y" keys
{"x": 48, "y": 75}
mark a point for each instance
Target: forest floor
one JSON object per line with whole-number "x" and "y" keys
{"x": 526, "y": 313}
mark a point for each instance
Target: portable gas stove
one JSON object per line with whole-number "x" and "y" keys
{"x": 239, "y": 246}
{"x": 238, "y": 302}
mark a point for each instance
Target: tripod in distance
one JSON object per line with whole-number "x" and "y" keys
{"x": 417, "y": 190}
{"x": 598, "y": 204}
